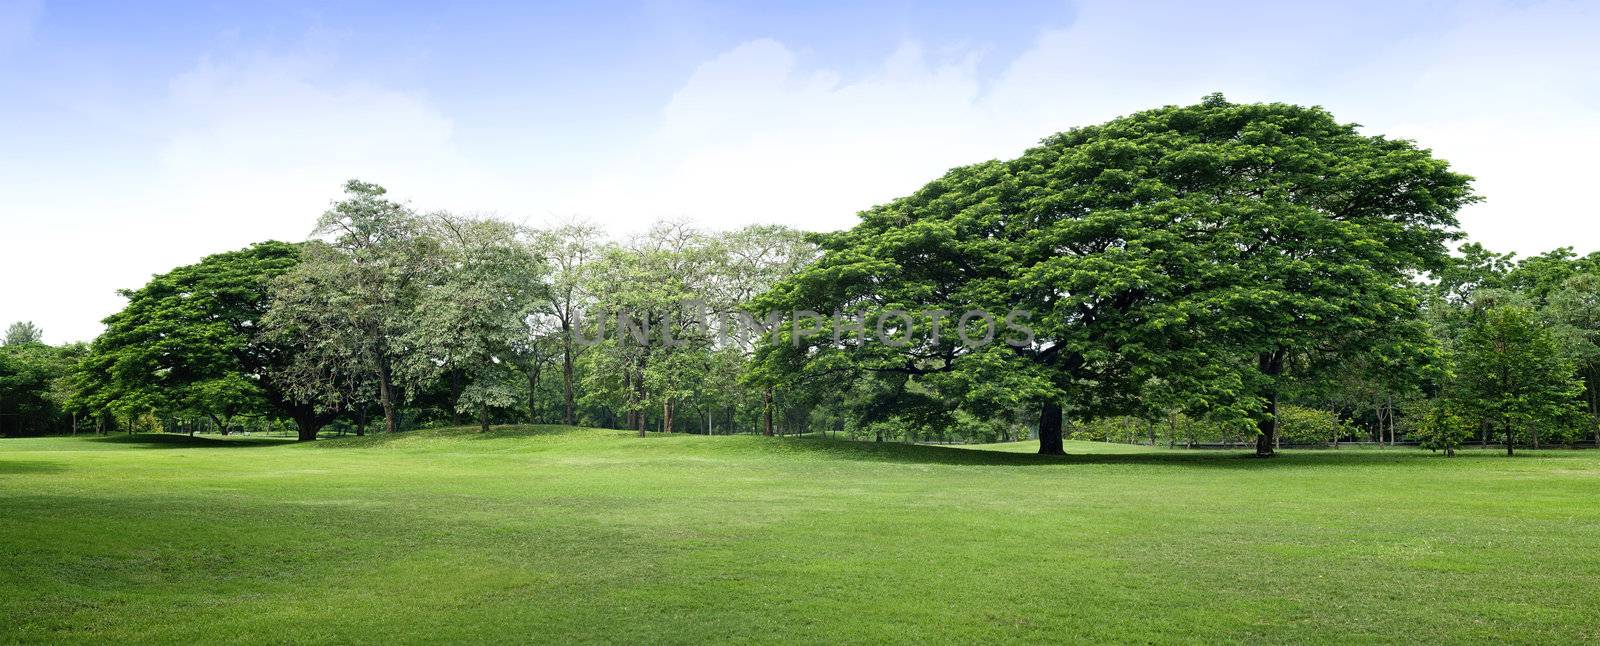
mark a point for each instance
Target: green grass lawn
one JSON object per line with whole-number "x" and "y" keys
{"x": 576, "y": 535}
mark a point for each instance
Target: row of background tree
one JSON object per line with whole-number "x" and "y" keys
{"x": 1202, "y": 274}
{"x": 390, "y": 319}
{"x": 196, "y": 358}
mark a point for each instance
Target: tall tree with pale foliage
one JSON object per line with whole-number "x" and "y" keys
{"x": 356, "y": 286}
{"x": 22, "y": 332}
{"x": 469, "y": 316}
{"x": 570, "y": 251}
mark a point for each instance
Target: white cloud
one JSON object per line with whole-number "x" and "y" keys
{"x": 1503, "y": 91}
{"x": 753, "y": 136}
{"x": 254, "y": 146}
{"x": 1508, "y": 95}
{"x": 263, "y": 143}
{"x": 253, "y": 149}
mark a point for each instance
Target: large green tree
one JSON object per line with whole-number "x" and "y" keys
{"x": 1561, "y": 287}
{"x": 469, "y": 317}
{"x": 750, "y": 262}
{"x": 1200, "y": 244}
{"x": 352, "y": 297}
{"x": 191, "y": 341}
{"x": 644, "y": 291}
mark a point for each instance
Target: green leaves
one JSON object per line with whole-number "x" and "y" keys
{"x": 37, "y": 386}
{"x": 191, "y": 340}
{"x": 470, "y": 311}
{"x": 1442, "y": 427}
{"x": 1172, "y": 245}
{"x": 22, "y": 332}
{"x": 344, "y": 309}
{"x": 1510, "y": 370}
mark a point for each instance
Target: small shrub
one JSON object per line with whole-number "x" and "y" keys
{"x": 1441, "y": 428}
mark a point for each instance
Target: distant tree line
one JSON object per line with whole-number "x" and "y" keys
{"x": 35, "y": 382}
{"x": 389, "y": 319}
{"x": 1217, "y": 273}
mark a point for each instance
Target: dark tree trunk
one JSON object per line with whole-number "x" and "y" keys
{"x": 766, "y": 412}
{"x": 1510, "y": 438}
{"x": 640, "y": 396}
{"x": 666, "y": 416}
{"x": 308, "y": 420}
{"x": 1270, "y": 364}
{"x": 566, "y": 373}
{"x": 386, "y": 394}
{"x": 1377, "y": 412}
{"x": 1050, "y": 429}
{"x": 455, "y": 397}
{"x": 1267, "y": 431}
{"x": 308, "y": 423}
{"x": 483, "y": 419}
{"x": 533, "y": 392}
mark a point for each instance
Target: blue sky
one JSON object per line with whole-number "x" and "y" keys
{"x": 136, "y": 138}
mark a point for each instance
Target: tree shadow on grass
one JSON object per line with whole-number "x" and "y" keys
{"x": 455, "y": 433}
{"x": 8, "y": 467}
{"x": 176, "y": 441}
{"x": 1213, "y": 459}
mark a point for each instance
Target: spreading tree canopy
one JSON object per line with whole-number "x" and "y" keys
{"x": 191, "y": 340}
{"x": 1174, "y": 257}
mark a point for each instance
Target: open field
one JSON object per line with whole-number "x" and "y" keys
{"x": 578, "y": 535}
